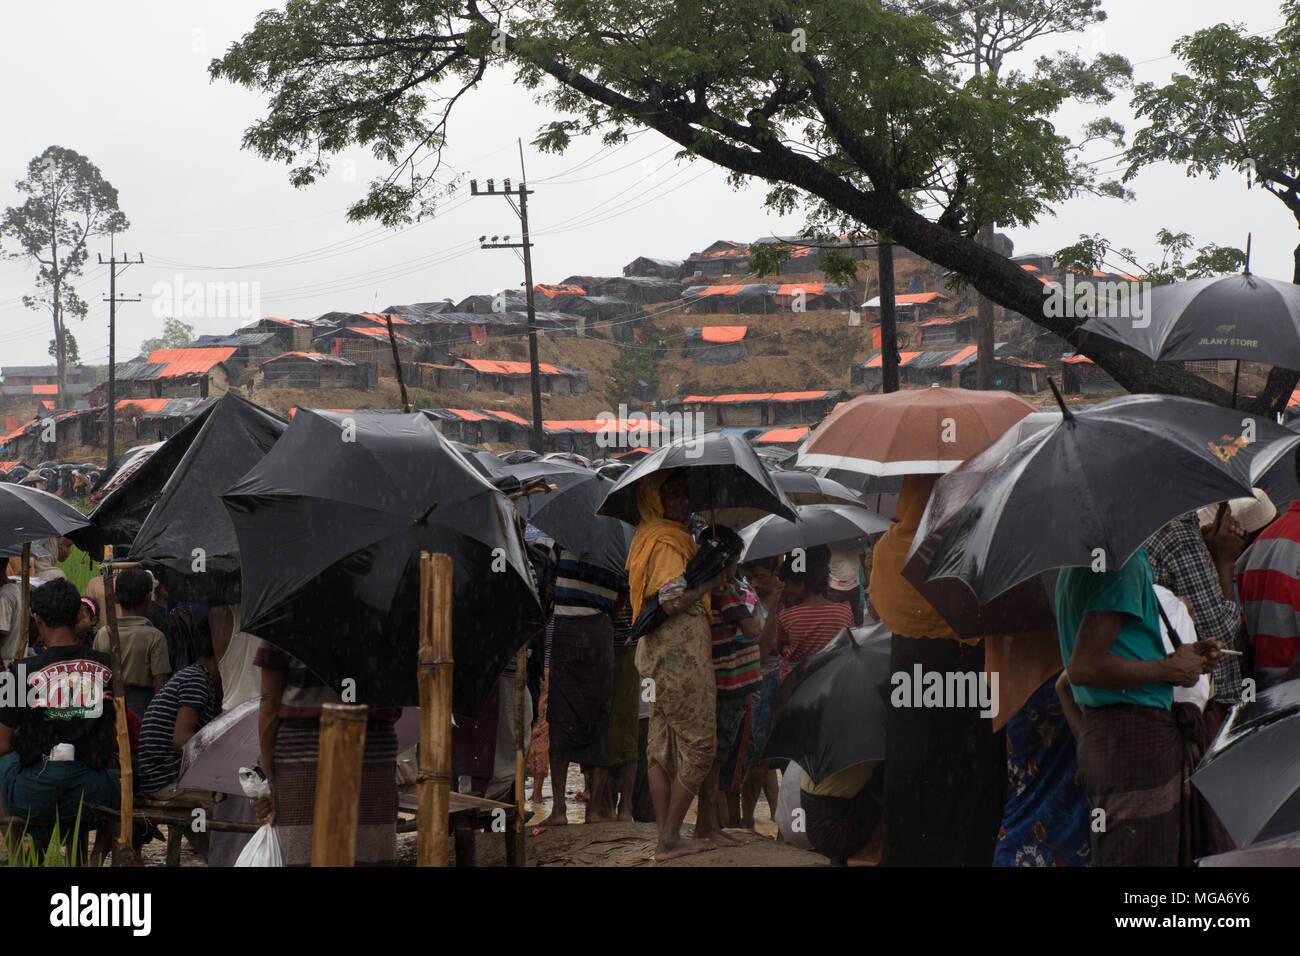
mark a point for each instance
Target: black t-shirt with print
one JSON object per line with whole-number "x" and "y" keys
{"x": 61, "y": 695}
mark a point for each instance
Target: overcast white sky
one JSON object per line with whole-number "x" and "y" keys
{"x": 126, "y": 84}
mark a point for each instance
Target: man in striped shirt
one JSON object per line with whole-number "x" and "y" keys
{"x": 1268, "y": 584}
{"x": 580, "y": 692}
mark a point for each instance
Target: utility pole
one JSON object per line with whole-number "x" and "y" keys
{"x": 113, "y": 299}
{"x": 523, "y": 192}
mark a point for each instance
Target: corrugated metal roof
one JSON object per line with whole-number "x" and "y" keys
{"x": 314, "y": 357}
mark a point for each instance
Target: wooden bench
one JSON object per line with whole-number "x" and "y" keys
{"x": 468, "y": 814}
{"x": 177, "y": 817}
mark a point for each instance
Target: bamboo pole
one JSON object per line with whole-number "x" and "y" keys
{"x": 521, "y": 674}
{"x": 123, "y": 851}
{"x": 338, "y": 784}
{"x": 25, "y": 609}
{"x": 435, "y": 671}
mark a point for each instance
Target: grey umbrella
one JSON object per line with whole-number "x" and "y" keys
{"x": 1251, "y": 773}
{"x": 813, "y": 525}
{"x": 1244, "y": 317}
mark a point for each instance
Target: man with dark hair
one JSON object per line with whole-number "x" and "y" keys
{"x": 145, "y": 665}
{"x": 56, "y": 722}
{"x": 177, "y": 712}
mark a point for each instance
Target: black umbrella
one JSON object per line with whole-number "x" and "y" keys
{"x": 1097, "y": 484}
{"x": 1243, "y": 317}
{"x": 187, "y": 539}
{"x": 568, "y": 513}
{"x": 722, "y": 471}
{"x": 29, "y": 514}
{"x": 814, "y": 525}
{"x": 1030, "y": 605}
{"x": 1251, "y": 773}
{"x": 800, "y": 488}
{"x": 830, "y": 713}
{"x": 134, "y": 487}
{"x": 330, "y": 526}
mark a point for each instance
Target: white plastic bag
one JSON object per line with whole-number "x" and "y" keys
{"x": 262, "y": 850}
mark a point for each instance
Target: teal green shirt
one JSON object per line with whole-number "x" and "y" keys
{"x": 1128, "y": 591}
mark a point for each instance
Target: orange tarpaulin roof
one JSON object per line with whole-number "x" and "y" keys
{"x": 755, "y": 397}
{"x": 382, "y": 318}
{"x": 468, "y": 414}
{"x": 784, "y": 434}
{"x": 551, "y": 291}
{"x": 946, "y": 320}
{"x": 188, "y": 361}
{"x": 596, "y": 425}
{"x": 511, "y": 417}
{"x": 809, "y": 288}
{"x": 1029, "y": 268}
{"x": 920, "y": 298}
{"x": 724, "y": 333}
{"x": 904, "y": 358}
{"x": 45, "y": 389}
{"x": 961, "y": 356}
{"x": 1076, "y": 359}
{"x": 721, "y": 290}
{"x": 143, "y": 404}
{"x": 495, "y": 367}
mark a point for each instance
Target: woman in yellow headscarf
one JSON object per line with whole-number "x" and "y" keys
{"x": 676, "y": 658}
{"x": 944, "y": 765}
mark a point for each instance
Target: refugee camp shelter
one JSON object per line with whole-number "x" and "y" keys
{"x": 312, "y": 370}
{"x": 366, "y": 345}
{"x": 251, "y": 349}
{"x": 715, "y": 344}
{"x": 1081, "y": 376}
{"x": 722, "y": 258}
{"x": 515, "y": 378}
{"x": 291, "y": 333}
{"x": 746, "y": 410}
{"x": 948, "y": 330}
{"x": 171, "y": 373}
{"x": 477, "y": 426}
{"x": 659, "y": 268}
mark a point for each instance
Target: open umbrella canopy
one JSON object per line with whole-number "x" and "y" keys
{"x": 568, "y": 513}
{"x": 830, "y": 713}
{"x": 813, "y": 525}
{"x": 330, "y": 525}
{"x": 1251, "y": 773}
{"x": 801, "y": 488}
{"x": 1097, "y": 484}
{"x": 926, "y": 431}
{"x": 722, "y": 471}
{"x": 1030, "y": 605}
{"x": 29, "y": 514}
{"x": 1244, "y": 317}
{"x": 187, "y": 539}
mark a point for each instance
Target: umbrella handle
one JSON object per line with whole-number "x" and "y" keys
{"x": 1218, "y": 517}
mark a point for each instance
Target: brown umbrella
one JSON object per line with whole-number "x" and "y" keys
{"x": 926, "y": 431}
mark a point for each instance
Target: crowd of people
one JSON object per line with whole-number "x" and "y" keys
{"x": 1101, "y": 722}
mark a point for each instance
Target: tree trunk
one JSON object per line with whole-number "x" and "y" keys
{"x": 888, "y": 319}
{"x": 985, "y": 327}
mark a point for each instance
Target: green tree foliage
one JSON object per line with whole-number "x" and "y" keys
{"x": 1091, "y": 252}
{"x": 69, "y": 202}
{"x": 1235, "y": 109}
{"x": 175, "y": 335}
{"x": 633, "y": 364}
{"x": 858, "y": 113}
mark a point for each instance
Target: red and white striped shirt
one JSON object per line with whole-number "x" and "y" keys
{"x": 807, "y": 628}
{"x": 1268, "y": 585}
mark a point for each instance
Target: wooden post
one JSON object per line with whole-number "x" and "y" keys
{"x": 435, "y": 709}
{"x": 25, "y": 608}
{"x": 521, "y": 727}
{"x": 123, "y": 852}
{"x": 338, "y": 784}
